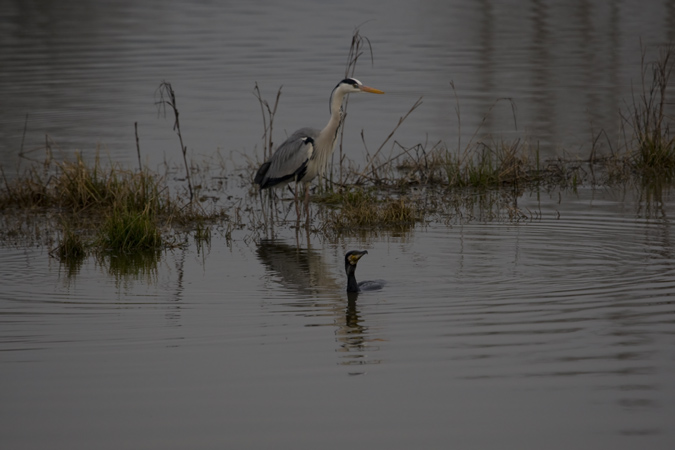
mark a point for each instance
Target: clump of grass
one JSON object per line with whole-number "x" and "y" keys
{"x": 490, "y": 165}
{"x": 71, "y": 246}
{"x": 127, "y": 230}
{"x": 103, "y": 207}
{"x": 76, "y": 187}
{"x": 29, "y": 192}
{"x": 485, "y": 165}
{"x": 80, "y": 186}
{"x": 358, "y": 208}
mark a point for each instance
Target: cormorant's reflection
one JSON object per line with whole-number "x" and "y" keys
{"x": 352, "y": 314}
{"x": 304, "y": 271}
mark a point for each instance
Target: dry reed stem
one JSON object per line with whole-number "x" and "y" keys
{"x": 400, "y": 122}
{"x": 165, "y": 89}
{"x": 355, "y": 52}
{"x": 271, "y": 112}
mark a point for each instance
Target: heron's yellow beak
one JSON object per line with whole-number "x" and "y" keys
{"x": 371, "y": 90}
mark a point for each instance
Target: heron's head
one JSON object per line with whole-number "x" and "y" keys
{"x": 351, "y": 258}
{"x": 349, "y": 86}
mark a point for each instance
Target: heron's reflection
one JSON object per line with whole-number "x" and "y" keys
{"x": 298, "y": 269}
{"x": 304, "y": 271}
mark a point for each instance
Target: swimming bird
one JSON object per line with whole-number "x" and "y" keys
{"x": 351, "y": 258}
{"x": 305, "y": 154}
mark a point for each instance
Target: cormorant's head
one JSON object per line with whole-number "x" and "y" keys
{"x": 351, "y": 258}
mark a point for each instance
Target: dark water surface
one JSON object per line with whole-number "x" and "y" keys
{"x": 551, "y": 333}
{"x": 85, "y": 72}
{"x": 555, "y": 333}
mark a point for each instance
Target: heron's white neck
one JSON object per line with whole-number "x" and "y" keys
{"x": 335, "y": 120}
{"x": 328, "y": 136}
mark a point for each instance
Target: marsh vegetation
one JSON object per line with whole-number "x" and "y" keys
{"x": 80, "y": 207}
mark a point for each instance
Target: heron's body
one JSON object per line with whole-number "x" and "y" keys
{"x": 295, "y": 160}
{"x": 351, "y": 259}
{"x": 305, "y": 154}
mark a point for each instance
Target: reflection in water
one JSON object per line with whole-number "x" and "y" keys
{"x": 304, "y": 272}
{"x": 143, "y": 266}
{"x": 140, "y": 266}
{"x": 352, "y": 335}
{"x": 571, "y": 314}
{"x": 355, "y": 341}
{"x": 72, "y": 266}
{"x": 544, "y": 104}
{"x": 298, "y": 269}
{"x": 617, "y": 293}
{"x": 568, "y": 67}
{"x": 650, "y": 205}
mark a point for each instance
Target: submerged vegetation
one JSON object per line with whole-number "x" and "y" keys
{"x": 83, "y": 207}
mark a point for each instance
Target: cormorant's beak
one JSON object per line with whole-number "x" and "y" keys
{"x": 371, "y": 90}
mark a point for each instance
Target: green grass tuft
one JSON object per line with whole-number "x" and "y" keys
{"x": 127, "y": 231}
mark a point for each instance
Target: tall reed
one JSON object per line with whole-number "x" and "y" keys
{"x": 648, "y": 115}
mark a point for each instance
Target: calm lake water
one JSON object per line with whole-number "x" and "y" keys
{"x": 84, "y": 72}
{"x": 554, "y": 332}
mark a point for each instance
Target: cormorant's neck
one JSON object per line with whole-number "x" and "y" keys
{"x": 352, "y": 285}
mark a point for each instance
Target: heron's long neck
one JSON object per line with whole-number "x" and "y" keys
{"x": 330, "y": 131}
{"x": 335, "y": 120}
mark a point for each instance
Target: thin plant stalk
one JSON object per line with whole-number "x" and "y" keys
{"x": 138, "y": 147}
{"x": 268, "y": 114}
{"x": 355, "y": 51}
{"x": 166, "y": 90}
{"x": 400, "y": 122}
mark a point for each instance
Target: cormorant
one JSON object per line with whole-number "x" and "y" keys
{"x": 351, "y": 258}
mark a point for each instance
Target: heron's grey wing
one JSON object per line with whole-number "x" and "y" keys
{"x": 289, "y": 161}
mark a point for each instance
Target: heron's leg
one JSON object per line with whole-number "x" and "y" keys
{"x": 307, "y": 201}
{"x": 262, "y": 206}
{"x": 297, "y": 206}
{"x": 273, "y": 204}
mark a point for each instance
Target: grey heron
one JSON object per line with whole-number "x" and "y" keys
{"x": 351, "y": 258}
{"x": 305, "y": 154}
